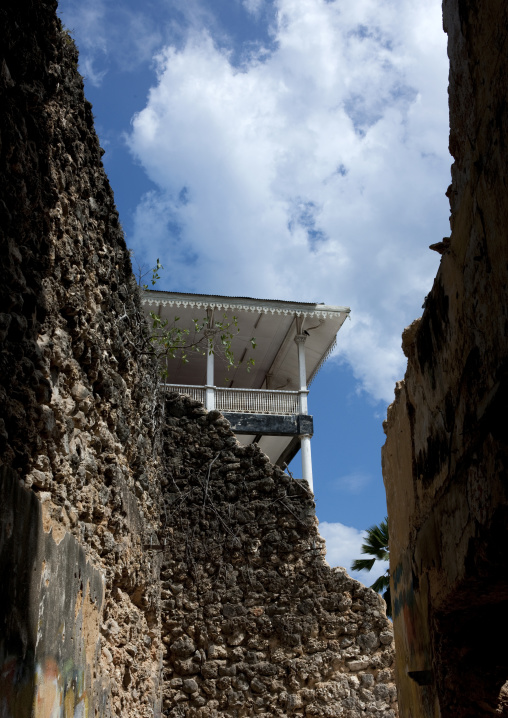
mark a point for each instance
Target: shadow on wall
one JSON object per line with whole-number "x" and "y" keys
{"x": 51, "y": 612}
{"x": 410, "y": 610}
{"x": 472, "y": 642}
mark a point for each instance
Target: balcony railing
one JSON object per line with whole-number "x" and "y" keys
{"x": 198, "y": 393}
{"x": 249, "y": 401}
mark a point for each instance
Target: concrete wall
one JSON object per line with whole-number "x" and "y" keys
{"x": 445, "y": 460}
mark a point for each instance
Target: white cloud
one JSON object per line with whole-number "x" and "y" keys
{"x": 353, "y": 483}
{"x": 86, "y": 22}
{"x": 253, "y": 7}
{"x": 107, "y": 34}
{"x": 343, "y": 546}
{"x": 89, "y": 72}
{"x": 315, "y": 172}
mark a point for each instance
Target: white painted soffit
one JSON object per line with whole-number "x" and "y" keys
{"x": 275, "y": 355}
{"x": 246, "y": 304}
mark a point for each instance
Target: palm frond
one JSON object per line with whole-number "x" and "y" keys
{"x": 381, "y": 583}
{"x": 376, "y": 541}
{"x": 376, "y": 545}
{"x": 363, "y": 564}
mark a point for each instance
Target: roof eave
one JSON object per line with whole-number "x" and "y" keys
{"x": 241, "y": 303}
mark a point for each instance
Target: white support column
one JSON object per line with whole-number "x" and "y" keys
{"x": 305, "y": 439}
{"x": 300, "y": 342}
{"x": 210, "y": 379}
{"x": 306, "y": 460}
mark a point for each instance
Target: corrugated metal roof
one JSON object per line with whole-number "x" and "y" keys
{"x": 231, "y": 296}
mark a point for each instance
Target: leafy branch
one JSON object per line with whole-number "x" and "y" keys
{"x": 170, "y": 340}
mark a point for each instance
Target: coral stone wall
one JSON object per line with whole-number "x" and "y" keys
{"x": 446, "y": 454}
{"x": 254, "y": 621}
{"x": 77, "y": 401}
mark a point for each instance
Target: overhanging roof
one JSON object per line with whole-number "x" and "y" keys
{"x": 271, "y": 322}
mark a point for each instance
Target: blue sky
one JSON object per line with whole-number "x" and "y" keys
{"x": 287, "y": 149}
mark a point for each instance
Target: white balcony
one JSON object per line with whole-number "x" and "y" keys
{"x": 247, "y": 401}
{"x": 278, "y": 344}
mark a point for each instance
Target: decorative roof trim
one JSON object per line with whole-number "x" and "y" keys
{"x": 288, "y": 310}
{"x": 322, "y": 361}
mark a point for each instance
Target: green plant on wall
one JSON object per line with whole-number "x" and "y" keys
{"x": 169, "y": 340}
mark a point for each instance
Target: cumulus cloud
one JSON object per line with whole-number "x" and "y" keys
{"x": 86, "y": 23}
{"x": 343, "y": 543}
{"x": 88, "y": 69}
{"x": 343, "y": 546}
{"x": 253, "y": 7}
{"x": 107, "y": 35}
{"x": 314, "y": 171}
{"x": 354, "y": 482}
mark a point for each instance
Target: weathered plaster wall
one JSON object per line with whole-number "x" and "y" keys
{"x": 445, "y": 460}
{"x": 78, "y": 411}
{"x": 51, "y": 608}
{"x": 145, "y": 561}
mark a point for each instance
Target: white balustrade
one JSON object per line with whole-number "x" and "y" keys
{"x": 248, "y": 401}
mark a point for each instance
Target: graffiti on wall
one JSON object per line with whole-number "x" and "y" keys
{"x": 414, "y": 652}
{"x": 51, "y": 691}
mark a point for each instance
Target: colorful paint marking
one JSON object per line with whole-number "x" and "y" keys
{"x": 49, "y": 693}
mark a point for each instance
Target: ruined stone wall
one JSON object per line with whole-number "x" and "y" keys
{"x": 254, "y": 621}
{"x": 445, "y": 460}
{"x": 78, "y": 416}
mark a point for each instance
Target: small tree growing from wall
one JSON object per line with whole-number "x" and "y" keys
{"x": 169, "y": 340}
